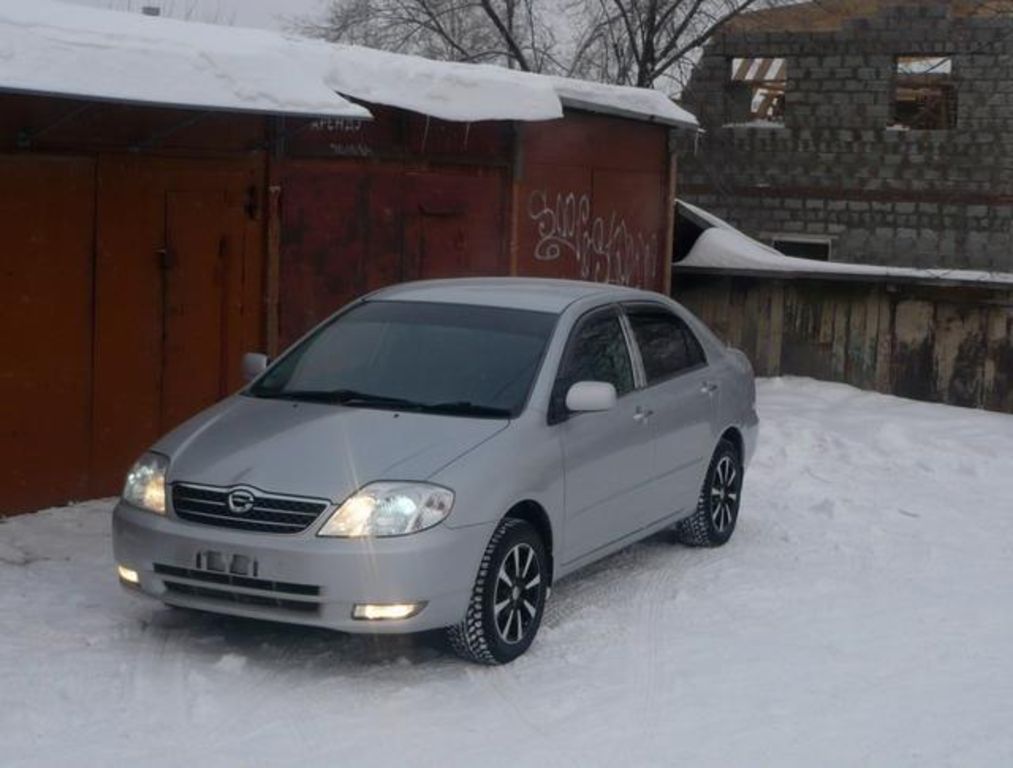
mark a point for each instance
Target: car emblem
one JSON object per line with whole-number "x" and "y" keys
{"x": 240, "y": 502}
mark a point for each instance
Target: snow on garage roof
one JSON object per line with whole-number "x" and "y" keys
{"x": 55, "y": 48}
{"x": 442, "y": 89}
{"x": 722, "y": 247}
{"x": 623, "y": 101}
{"x": 469, "y": 92}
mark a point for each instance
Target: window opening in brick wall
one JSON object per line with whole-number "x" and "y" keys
{"x": 804, "y": 247}
{"x": 924, "y": 95}
{"x": 758, "y": 85}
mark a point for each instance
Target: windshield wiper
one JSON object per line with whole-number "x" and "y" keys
{"x": 353, "y": 397}
{"x": 340, "y": 396}
{"x": 465, "y": 408}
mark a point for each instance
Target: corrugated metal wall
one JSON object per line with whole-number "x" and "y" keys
{"x": 951, "y": 344}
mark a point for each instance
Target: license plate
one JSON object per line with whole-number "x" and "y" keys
{"x": 222, "y": 562}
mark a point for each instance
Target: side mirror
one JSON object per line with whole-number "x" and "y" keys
{"x": 254, "y": 364}
{"x": 587, "y": 396}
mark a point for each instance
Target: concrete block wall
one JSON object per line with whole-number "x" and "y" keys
{"x": 926, "y": 198}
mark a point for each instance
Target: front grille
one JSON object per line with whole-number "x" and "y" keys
{"x": 269, "y": 514}
{"x": 218, "y": 586}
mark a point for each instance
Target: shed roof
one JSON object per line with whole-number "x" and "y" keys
{"x": 722, "y": 248}
{"x": 56, "y": 48}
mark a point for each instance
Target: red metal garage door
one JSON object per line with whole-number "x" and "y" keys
{"x": 46, "y": 215}
{"x": 178, "y": 297}
{"x": 348, "y": 228}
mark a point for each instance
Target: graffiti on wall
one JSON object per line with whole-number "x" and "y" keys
{"x": 604, "y": 248}
{"x": 350, "y": 141}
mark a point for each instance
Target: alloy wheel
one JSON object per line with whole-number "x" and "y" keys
{"x": 517, "y": 593}
{"x": 724, "y": 494}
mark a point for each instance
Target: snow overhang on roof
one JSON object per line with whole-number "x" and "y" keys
{"x": 722, "y": 248}
{"x": 441, "y": 89}
{"x": 470, "y": 92}
{"x": 623, "y": 101}
{"x": 56, "y": 48}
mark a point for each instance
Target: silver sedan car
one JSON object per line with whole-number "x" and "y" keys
{"x": 437, "y": 454}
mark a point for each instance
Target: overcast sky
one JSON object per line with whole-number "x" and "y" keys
{"x": 247, "y": 13}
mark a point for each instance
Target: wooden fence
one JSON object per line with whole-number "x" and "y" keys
{"x": 941, "y": 342}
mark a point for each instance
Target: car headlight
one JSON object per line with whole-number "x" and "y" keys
{"x": 390, "y": 509}
{"x": 145, "y": 486}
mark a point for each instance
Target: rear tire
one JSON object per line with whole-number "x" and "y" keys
{"x": 508, "y": 599}
{"x": 717, "y": 509}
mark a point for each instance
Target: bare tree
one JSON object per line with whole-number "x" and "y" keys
{"x": 631, "y": 42}
{"x": 511, "y": 32}
{"x": 642, "y": 42}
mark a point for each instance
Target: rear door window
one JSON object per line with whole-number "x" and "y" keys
{"x": 667, "y": 345}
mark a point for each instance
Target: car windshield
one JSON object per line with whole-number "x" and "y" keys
{"x": 455, "y": 359}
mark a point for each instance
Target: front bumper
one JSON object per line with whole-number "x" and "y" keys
{"x": 300, "y": 578}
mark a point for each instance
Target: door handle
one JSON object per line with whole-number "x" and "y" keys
{"x": 709, "y": 387}
{"x": 642, "y": 415}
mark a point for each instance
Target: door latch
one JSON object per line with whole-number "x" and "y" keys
{"x": 165, "y": 258}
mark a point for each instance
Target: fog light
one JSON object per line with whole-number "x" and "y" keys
{"x": 369, "y": 612}
{"x": 128, "y": 575}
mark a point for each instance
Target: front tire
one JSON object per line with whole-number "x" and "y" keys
{"x": 508, "y": 599}
{"x": 717, "y": 509}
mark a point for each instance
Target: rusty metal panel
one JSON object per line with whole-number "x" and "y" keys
{"x": 128, "y": 316}
{"x": 327, "y": 237}
{"x": 47, "y": 123}
{"x": 201, "y": 301}
{"x": 178, "y": 267}
{"x": 593, "y": 199}
{"x": 45, "y": 329}
{"x": 332, "y": 137}
{"x": 398, "y": 134}
{"x": 352, "y": 227}
{"x": 455, "y": 225}
{"x": 633, "y": 207}
{"x": 554, "y": 220}
{"x": 597, "y": 141}
{"x": 487, "y": 141}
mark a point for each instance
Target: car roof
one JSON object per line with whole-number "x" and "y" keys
{"x": 536, "y": 294}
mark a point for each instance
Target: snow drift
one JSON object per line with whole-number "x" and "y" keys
{"x": 858, "y": 617}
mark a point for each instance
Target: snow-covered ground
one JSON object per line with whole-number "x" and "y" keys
{"x": 862, "y": 615}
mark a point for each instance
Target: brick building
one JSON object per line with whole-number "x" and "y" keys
{"x": 876, "y": 131}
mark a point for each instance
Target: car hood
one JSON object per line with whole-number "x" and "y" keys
{"x": 313, "y": 449}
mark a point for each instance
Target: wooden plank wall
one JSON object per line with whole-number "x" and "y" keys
{"x": 940, "y": 344}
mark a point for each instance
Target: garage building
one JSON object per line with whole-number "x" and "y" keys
{"x": 175, "y": 194}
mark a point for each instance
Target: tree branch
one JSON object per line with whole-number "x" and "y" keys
{"x": 507, "y": 36}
